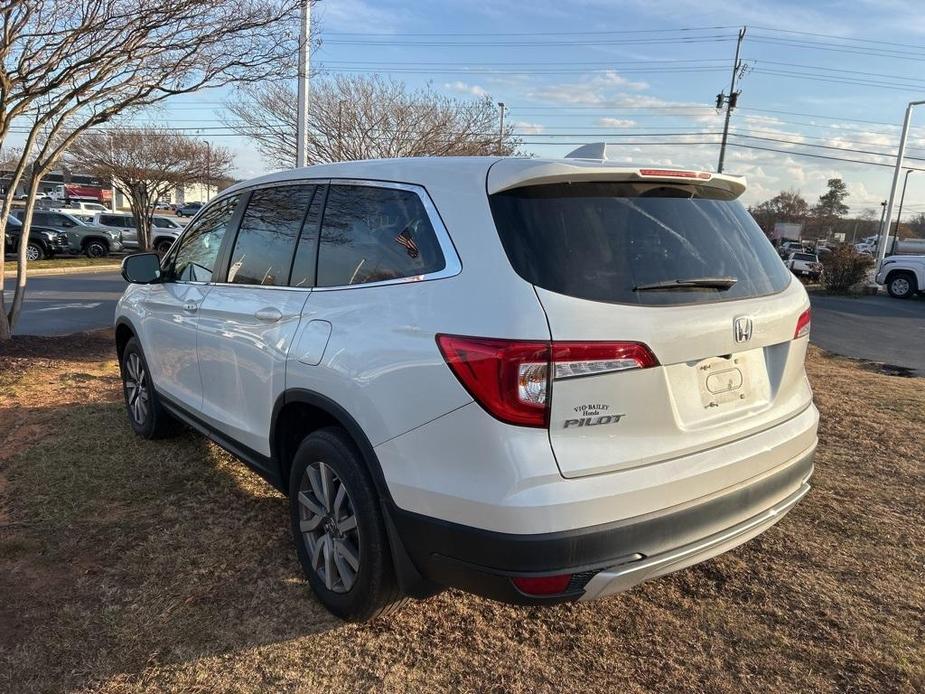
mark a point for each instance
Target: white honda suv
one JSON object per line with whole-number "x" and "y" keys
{"x": 534, "y": 380}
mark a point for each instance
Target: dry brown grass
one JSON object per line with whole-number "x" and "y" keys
{"x": 134, "y": 566}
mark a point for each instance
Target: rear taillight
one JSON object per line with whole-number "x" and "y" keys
{"x": 542, "y": 585}
{"x": 512, "y": 379}
{"x": 803, "y": 323}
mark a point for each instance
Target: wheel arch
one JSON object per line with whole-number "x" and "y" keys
{"x": 297, "y": 413}
{"x": 86, "y": 240}
{"x": 125, "y": 331}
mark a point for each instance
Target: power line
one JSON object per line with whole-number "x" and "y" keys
{"x": 588, "y": 42}
{"x": 835, "y": 36}
{"x": 536, "y": 33}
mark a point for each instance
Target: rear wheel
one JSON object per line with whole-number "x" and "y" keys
{"x": 147, "y": 416}
{"x": 338, "y": 528}
{"x": 163, "y": 246}
{"x": 902, "y": 285}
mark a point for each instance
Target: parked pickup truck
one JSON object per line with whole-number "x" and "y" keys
{"x": 805, "y": 265}
{"x": 83, "y": 236}
{"x": 903, "y": 275}
{"x": 43, "y": 241}
{"x": 164, "y": 231}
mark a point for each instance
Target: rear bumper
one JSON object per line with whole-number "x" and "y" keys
{"x": 607, "y": 558}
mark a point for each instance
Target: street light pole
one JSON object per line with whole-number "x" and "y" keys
{"x": 884, "y": 241}
{"x": 899, "y": 212}
{"x": 112, "y": 179}
{"x": 301, "y": 157}
{"x": 208, "y": 171}
{"x": 501, "y": 126}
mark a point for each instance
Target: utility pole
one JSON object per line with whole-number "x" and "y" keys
{"x": 730, "y": 101}
{"x": 305, "y": 38}
{"x": 884, "y": 241}
{"x": 501, "y": 127}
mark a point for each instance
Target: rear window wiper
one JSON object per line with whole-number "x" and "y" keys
{"x": 698, "y": 282}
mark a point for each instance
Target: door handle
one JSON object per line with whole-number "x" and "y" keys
{"x": 190, "y": 307}
{"x": 268, "y": 315}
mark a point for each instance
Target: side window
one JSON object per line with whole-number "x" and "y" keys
{"x": 127, "y": 221}
{"x": 303, "y": 267}
{"x": 42, "y": 219}
{"x": 195, "y": 256}
{"x": 267, "y": 236}
{"x": 109, "y": 220}
{"x": 372, "y": 234}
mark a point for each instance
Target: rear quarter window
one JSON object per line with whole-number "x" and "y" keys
{"x": 602, "y": 241}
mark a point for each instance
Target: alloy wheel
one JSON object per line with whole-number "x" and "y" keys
{"x": 136, "y": 388}
{"x": 328, "y": 525}
{"x": 33, "y": 253}
{"x": 900, "y": 286}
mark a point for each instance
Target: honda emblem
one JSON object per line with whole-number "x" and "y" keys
{"x": 742, "y": 329}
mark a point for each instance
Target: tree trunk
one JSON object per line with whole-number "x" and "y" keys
{"x": 140, "y": 202}
{"x": 20, "y": 291}
{"x": 5, "y": 332}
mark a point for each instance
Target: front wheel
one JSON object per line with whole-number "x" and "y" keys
{"x": 34, "y": 252}
{"x": 902, "y": 285}
{"x": 162, "y": 247}
{"x": 147, "y": 416}
{"x": 96, "y": 249}
{"x": 338, "y": 528}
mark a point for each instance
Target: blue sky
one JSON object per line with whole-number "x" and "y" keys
{"x": 587, "y": 70}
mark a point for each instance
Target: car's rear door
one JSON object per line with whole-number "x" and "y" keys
{"x": 653, "y": 368}
{"x": 249, "y": 319}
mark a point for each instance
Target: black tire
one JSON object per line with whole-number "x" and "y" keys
{"x": 145, "y": 412}
{"x": 902, "y": 285}
{"x": 96, "y": 249}
{"x": 372, "y": 591}
{"x": 34, "y": 251}
{"x": 162, "y": 247}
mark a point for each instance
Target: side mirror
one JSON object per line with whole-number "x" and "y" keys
{"x": 141, "y": 268}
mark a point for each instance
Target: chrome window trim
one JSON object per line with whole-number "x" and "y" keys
{"x": 452, "y": 264}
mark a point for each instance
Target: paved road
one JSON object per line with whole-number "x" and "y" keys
{"x": 878, "y": 328}
{"x": 872, "y": 327}
{"x": 61, "y": 304}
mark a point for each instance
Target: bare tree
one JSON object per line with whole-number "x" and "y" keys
{"x": 366, "y": 117}
{"x": 145, "y": 164}
{"x": 70, "y": 66}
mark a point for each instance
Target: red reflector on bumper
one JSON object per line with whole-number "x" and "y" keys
{"x": 542, "y": 585}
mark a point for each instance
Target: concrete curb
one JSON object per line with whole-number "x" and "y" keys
{"x": 63, "y": 270}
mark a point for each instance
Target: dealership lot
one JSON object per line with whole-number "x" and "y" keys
{"x": 124, "y": 569}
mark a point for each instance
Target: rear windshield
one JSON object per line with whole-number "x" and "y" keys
{"x": 804, "y": 256}
{"x": 612, "y": 241}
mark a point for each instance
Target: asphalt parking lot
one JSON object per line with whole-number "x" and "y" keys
{"x": 68, "y": 303}
{"x": 877, "y": 328}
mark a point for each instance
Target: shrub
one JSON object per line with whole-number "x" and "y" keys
{"x": 844, "y": 267}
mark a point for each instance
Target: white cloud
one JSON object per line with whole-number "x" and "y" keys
{"x": 462, "y": 88}
{"x": 615, "y": 122}
{"x": 603, "y": 89}
{"x": 525, "y": 128}
{"x": 358, "y": 16}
